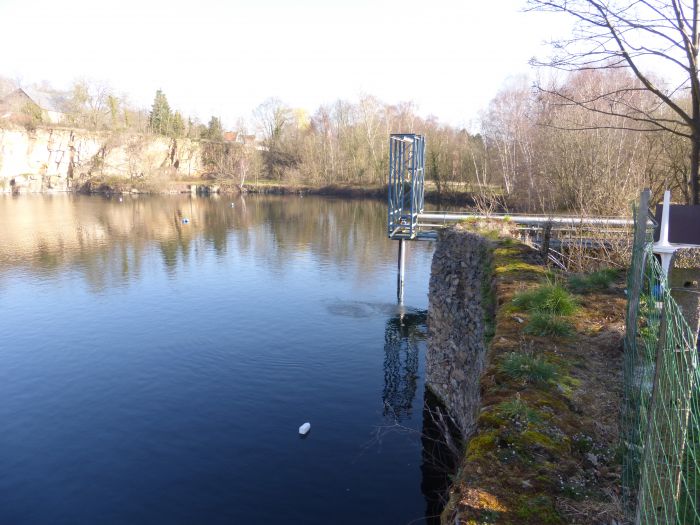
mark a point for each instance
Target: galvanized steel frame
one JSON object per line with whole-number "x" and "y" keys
{"x": 406, "y": 184}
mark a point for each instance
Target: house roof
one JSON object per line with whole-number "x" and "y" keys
{"x": 45, "y": 100}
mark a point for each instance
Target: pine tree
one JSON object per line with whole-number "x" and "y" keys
{"x": 178, "y": 125}
{"x": 214, "y": 130}
{"x": 160, "y": 118}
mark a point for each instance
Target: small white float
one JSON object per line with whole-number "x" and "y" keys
{"x": 304, "y": 429}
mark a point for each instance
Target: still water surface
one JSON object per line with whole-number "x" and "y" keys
{"x": 157, "y": 372}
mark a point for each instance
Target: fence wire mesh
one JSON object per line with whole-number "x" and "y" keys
{"x": 661, "y": 406}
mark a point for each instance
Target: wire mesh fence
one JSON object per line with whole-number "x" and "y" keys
{"x": 661, "y": 406}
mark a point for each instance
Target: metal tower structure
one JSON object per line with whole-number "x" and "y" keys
{"x": 406, "y": 193}
{"x": 406, "y": 184}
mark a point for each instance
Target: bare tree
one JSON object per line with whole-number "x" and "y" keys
{"x": 640, "y": 36}
{"x": 272, "y": 116}
{"x": 273, "y": 119}
{"x": 92, "y": 105}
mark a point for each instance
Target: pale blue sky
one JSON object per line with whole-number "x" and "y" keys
{"x": 225, "y": 57}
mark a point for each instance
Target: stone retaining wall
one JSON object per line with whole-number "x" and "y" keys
{"x": 459, "y": 304}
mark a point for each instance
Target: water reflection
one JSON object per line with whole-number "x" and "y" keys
{"x": 105, "y": 238}
{"x": 401, "y": 336}
{"x": 209, "y": 340}
{"x": 439, "y": 456}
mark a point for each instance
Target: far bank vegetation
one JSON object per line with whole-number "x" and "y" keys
{"x": 526, "y": 157}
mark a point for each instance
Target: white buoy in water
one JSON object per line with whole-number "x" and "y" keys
{"x": 304, "y": 429}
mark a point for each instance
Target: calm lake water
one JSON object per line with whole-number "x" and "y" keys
{"x": 153, "y": 371}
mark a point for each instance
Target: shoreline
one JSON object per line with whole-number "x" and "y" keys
{"x": 113, "y": 186}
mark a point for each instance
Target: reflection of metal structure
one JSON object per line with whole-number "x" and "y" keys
{"x": 401, "y": 337}
{"x": 406, "y": 184}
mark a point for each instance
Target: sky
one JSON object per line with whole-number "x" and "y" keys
{"x": 224, "y": 58}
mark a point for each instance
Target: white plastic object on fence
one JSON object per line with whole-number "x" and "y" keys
{"x": 663, "y": 248}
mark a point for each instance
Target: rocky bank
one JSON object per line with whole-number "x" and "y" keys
{"x": 61, "y": 159}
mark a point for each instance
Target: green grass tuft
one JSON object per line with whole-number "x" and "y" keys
{"x": 519, "y": 411}
{"x": 548, "y": 298}
{"x": 525, "y": 367}
{"x": 547, "y": 324}
{"x": 599, "y": 280}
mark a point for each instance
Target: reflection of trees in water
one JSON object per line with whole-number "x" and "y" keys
{"x": 106, "y": 238}
{"x": 401, "y": 337}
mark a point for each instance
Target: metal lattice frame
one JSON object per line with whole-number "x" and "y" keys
{"x": 406, "y": 184}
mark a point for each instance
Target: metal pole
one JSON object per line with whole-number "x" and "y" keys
{"x": 664, "y": 248}
{"x": 402, "y": 270}
{"x": 528, "y": 219}
{"x": 546, "y": 240}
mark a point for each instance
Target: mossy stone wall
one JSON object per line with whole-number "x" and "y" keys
{"x": 459, "y": 302}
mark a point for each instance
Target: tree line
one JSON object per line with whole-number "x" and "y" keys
{"x": 535, "y": 150}
{"x": 532, "y": 153}
{"x": 96, "y": 106}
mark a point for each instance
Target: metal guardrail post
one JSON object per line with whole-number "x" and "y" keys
{"x": 545, "y": 240}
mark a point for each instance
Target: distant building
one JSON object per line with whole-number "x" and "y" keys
{"x": 252, "y": 141}
{"x": 16, "y": 105}
{"x": 248, "y": 140}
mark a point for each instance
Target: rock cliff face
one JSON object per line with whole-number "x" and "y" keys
{"x": 460, "y": 284}
{"x": 61, "y": 159}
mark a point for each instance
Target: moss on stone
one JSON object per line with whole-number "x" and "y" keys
{"x": 510, "y": 266}
{"x": 491, "y": 419}
{"x": 539, "y": 508}
{"x": 506, "y": 252}
{"x": 533, "y": 438}
{"x": 481, "y": 445}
